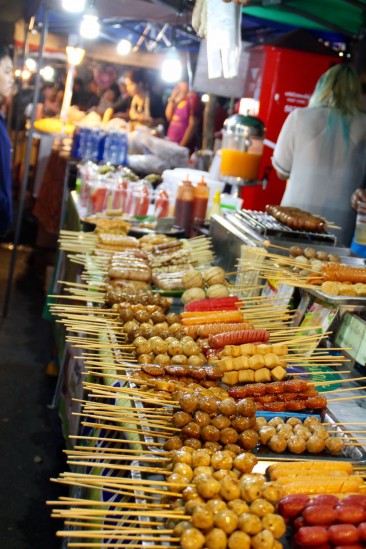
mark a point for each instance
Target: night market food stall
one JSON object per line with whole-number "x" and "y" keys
{"x": 216, "y": 404}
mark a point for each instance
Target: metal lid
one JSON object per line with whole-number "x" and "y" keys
{"x": 239, "y": 124}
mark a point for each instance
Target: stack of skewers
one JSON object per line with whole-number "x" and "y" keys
{"x": 174, "y": 446}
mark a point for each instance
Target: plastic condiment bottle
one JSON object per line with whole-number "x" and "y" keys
{"x": 360, "y": 230}
{"x": 184, "y": 206}
{"x": 162, "y": 204}
{"x": 200, "y": 200}
{"x": 215, "y": 207}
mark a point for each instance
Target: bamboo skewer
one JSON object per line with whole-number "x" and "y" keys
{"x": 119, "y": 545}
{"x": 67, "y": 500}
{"x": 106, "y": 439}
{"x": 116, "y": 488}
{"x": 346, "y": 398}
{"x": 117, "y": 467}
{"x": 79, "y": 484}
{"x": 132, "y": 421}
{"x": 107, "y": 456}
{"x": 115, "y": 523}
{"x": 344, "y": 390}
{"x": 126, "y": 430}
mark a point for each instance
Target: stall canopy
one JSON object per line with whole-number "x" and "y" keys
{"x": 347, "y": 17}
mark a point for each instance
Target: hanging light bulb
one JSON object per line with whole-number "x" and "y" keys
{"x": 171, "y": 69}
{"x": 31, "y": 64}
{"x": 90, "y": 26}
{"x": 124, "y": 47}
{"x": 74, "y": 6}
{"x": 74, "y": 55}
{"x": 47, "y": 73}
{"x": 26, "y": 74}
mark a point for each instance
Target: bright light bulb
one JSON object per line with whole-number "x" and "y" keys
{"x": 74, "y": 55}
{"x": 31, "y": 64}
{"x": 171, "y": 69}
{"x": 89, "y": 27}
{"x": 124, "y": 47}
{"x": 17, "y": 73}
{"x": 205, "y": 98}
{"x": 47, "y": 73}
{"x": 75, "y": 6}
{"x": 26, "y": 74}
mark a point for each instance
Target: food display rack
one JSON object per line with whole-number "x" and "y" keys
{"x": 228, "y": 249}
{"x": 230, "y": 231}
{"x": 267, "y": 226}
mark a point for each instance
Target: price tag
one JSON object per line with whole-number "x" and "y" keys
{"x": 352, "y": 334}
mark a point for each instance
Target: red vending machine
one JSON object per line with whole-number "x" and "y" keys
{"x": 282, "y": 80}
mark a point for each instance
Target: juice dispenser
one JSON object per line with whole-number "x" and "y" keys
{"x": 242, "y": 149}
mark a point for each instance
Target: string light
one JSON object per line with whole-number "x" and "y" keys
{"x": 171, "y": 69}
{"x": 47, "y": 73}
{"x": 124, "y": 47}
{"x": 90, "y": 26}
{"x": 31, "y": 64}
{"x": 74, "y": 55}
{"x": 74, "y": 6}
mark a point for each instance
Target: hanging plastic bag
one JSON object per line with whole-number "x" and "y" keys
{"x": 223, "y": 38}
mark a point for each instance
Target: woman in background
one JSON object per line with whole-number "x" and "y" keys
{"x": 121, "y": 108}
{"x": 146, "y": 108}
{"x": 321, "y": 150}
{"x": 48, "y": 105}
{"x": 6, "y": 84}
{"x": 184, "y": 114}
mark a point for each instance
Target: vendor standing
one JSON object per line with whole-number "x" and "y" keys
{"x": 321, "y": 150}
{"x": 6, "y": 84}
{"x": 146, "y": 108}
{"x": 184, "y": 114}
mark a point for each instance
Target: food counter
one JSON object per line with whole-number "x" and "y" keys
{"x": 136, "y": 421}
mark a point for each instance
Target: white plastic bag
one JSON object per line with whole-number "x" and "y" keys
{"x": 223, "y": 38}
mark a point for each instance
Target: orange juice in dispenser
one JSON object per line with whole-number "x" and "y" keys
{"x": 242, "y": 148}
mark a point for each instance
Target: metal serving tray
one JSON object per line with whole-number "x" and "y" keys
{"x": 350, "y": 453}
{"x": 266, "y": 225}
{"x": 338, "y": 300}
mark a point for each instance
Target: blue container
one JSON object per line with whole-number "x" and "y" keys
{"x": 115, "y": 148}
{"x": 101, "y": 147}
{"x": 76, "y": 142}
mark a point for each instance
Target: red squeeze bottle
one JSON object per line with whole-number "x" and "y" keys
{"x": 184, "y": 206}
{"x": 200, "y": 200}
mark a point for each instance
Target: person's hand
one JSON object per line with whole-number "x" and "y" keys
{"x": 177, "y": 94}
{"x": 358, "y": 201}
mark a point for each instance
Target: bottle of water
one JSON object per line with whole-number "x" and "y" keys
{"x": 115, "y": 148}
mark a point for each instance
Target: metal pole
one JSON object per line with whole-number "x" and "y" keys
{"x": 26, "y": 166}
{"x": 20, "y": 93}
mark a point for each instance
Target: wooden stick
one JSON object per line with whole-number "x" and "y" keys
{"x": 117, "y": 467}
{"x": 79, "y": 484}
{"x": 137, "y": 442}
{"x": 125, "y": 430}
{"x": 66, "y": 500}
{"x": 341, "y": 381}
{"x": 354, "y": 397}
{"x": 344, "y": 390}
{"x": 321, "y": 372}
{"x": 114, "y": 545}
{"x": 122, "y": 536}
{"x": 85, "y": 523}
